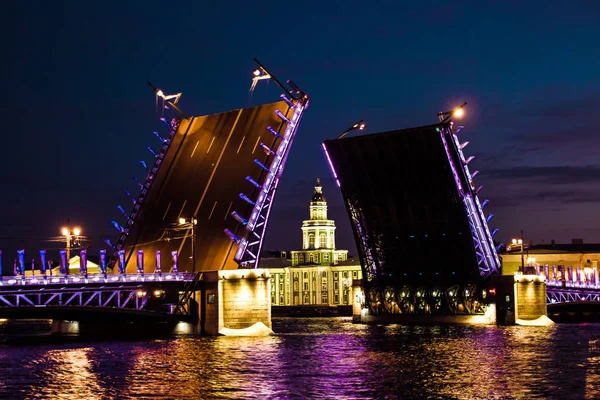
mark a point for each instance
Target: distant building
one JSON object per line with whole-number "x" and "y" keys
{"x": 319, "y": 274}
{"x": 318, "y": 235}
{"x": 575, "y": 254}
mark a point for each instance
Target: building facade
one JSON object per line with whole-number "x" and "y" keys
{"x": 314, "y": 284}
{"x": 318, "y": 235}
{"x": 319, "y": 274}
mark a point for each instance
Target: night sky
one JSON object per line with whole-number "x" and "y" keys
{"x": 77, "y": 113}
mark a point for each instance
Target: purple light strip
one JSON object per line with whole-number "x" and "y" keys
{"x": 331, "y": 166}
{"x": 475, "y": 213}
{"x": 270, "y": 185}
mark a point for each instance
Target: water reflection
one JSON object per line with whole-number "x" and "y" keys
{"x": 318, "y": 358}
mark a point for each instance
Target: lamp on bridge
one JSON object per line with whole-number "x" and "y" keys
{"x": 360, "y": 125}
{"x": 457, "y": 112}
{"x": 72, "y": 237}
{"x": 191, "y": 225}
{"x": 519, "y": 242}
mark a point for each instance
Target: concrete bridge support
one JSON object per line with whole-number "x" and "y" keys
{"x": 232, "y": 300}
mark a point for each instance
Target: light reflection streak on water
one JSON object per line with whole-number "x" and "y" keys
{"x": 319, "y": 358}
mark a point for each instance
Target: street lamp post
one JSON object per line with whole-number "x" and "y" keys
{"x": 520, "y": 243}
{"x": 191, "y": 225}
{"x": 71, "y": 236}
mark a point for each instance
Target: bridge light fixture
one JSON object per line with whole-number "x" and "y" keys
{"x": 457, "y": 112}
{"x": 360, "y": 125}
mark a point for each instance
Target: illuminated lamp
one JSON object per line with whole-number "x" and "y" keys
{"x": 484, "y": 203}
{"x": 260, "y": 165}
{"x": 108, "y": 242}
{"x": 122, "y": 211}
{"x": 283, "y": 117}
{"x": 494, "y": 232}
{"x": 489, "y": 217}
{"x": 474, "y": 174}
{"x": 163, "y": 140}
{"x": 239, "y": 218}
{"x": 266, "y": 149}
{"x": 143, "y": 164}
{"x": 130, "y": 196}
{"x": 287, "y": 100}
{"x": 232, "y": 236}
{"x": 117, "y": 226}
{"x": 469, "y": 159}
{"x": 246, "y": 199}
{"x": 164, "y": 121}
{"x": 273, "y": 132}
{"x": 463, "y": 145}
{"x": 152, "y": 151}
{"x": 478, "y": 189}
{"x": 253, "y": 182}
{"x": 138, "y": 182}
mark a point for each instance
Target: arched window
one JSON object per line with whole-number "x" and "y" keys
{"x": 311, "y": 240}
{"x": 311, "y": 258}
{"x": 323, "y": 240}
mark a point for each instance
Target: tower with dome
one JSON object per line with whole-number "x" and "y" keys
{"x": 318, "y": 235}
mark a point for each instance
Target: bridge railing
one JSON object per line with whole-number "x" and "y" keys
{"x": 570, "y": 277}
{"x": 78, "y": 279}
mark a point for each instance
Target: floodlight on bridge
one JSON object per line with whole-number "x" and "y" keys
{"x": 464, "y": 144}
{"x": 266, "y": 149}
{"x": 484, "y": 203}
{"x": 246, "y": 199}
{"x": 474, "y": 174}
{"x": 138, "y": 182}
{"x": 162, "y": 139}
{"x": 122, "y": 211}
{"x": 274, "y": 132}
{"x": 143, "y": 164}
{"x": 117, "y": 226}
{"x": 489, "y": 217}
{"x": 253, "y": 182}
{"x": 152, "y": 151}
{"x": 130, "y": 196}
{"x": 360, "y": 125}
{"x": 282, "y": 117}
{"x": 457, "y": 112}
{"x": 239, "y": 218}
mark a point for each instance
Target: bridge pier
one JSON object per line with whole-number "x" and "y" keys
{"x": 520, "y": 299}
{"x": 234, "y": 302}
{"x": 62, "y": 327}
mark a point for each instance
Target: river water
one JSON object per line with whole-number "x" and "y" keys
{"x": 315, "y": 359}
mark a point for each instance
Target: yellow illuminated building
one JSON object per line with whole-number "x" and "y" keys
{"x": 319, "y": 274}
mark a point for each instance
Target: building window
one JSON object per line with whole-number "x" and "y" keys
{"x": 311, "y": 240}
{"x": 354, "y": 274}
{"x": 281, "y": 300}
{"x": 314, "y": 284}
{"x": 322, "y": 241}
{"x": 335, "y": 275}
{"x": 305, "y": 285}
{"x": 324, "y": 286}
{"x": 326, "y": 257}
{"x": 311, "y": 258}
{"x": 305, "y": 299}
{"x": 300, "y": 258}
{"x": 306, "y": 275}
{"x": 324, "y": 298}
{"x": 295, "y": 286}
{"x": 336, "y": 299}
{"x": 324, "y": 274}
